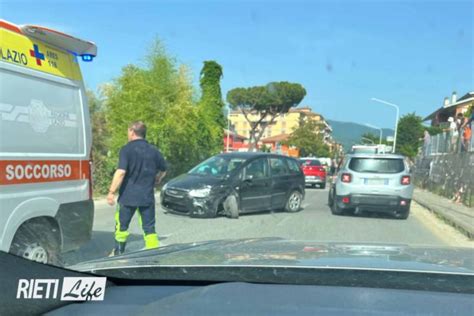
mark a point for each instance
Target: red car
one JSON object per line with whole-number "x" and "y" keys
{"x": 314, "y": 172}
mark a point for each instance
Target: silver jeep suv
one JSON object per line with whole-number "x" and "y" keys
{"x": 372, "y": 182}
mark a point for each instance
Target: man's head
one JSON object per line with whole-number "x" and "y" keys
{"x": 136, "y": 130}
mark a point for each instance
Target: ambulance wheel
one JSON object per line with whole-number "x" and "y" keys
{"x": 38, "y": 240}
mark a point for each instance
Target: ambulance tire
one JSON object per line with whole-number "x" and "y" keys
{"x": 38, "y": 240}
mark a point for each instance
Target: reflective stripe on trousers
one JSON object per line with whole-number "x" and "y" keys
{"x": 146, "y": 219}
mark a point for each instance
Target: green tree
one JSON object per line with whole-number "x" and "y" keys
{"x": 159, "y": 93}
{"x": 211, "y": 107}
{"x": 308, "y": 138}
{"x": 369, "y": 138}
{"x": 267, "y": 103}
{"x": 409, "y": 134}
{"x": 434, "y": 130}
{"x": 102, "y": 169}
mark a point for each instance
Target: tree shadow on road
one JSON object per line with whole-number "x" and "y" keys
{"x": 100, "y": 246}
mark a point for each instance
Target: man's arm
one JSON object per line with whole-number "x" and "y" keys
{"x": 160, "y": 177}
{"x": 162, "y": 166}
{"x": 116, "y": 182}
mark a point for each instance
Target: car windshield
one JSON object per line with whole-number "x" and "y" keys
{"x": 310, "y": 162}
{"x": 217, "y": 167}
{"x": 376, "y": 165}
{"x": 237, "y": 134}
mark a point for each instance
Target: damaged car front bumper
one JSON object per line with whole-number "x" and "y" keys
{"x": 180, "y": 202}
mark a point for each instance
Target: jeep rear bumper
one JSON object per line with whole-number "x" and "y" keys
{"x": 374, "y": 203}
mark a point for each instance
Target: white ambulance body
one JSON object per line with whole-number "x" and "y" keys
{"x": 46, "y": 202}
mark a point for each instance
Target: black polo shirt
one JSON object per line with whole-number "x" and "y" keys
{"x": 141, "y": 162}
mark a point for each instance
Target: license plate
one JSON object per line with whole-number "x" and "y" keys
{"x": 375, "y": 181}
{"x": 311, "y": 177}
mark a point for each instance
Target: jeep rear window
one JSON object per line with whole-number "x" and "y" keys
{"x": 377, "y": 165}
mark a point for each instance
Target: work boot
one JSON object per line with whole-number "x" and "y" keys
{"x": 118, "y": 249}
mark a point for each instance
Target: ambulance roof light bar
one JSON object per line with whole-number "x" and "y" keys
{"x": 87, "y": 50}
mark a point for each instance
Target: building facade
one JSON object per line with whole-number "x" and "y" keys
{"x": 278, "y": 132}
{"x": 451, "y": 108}
{"x": 284, "y": 124}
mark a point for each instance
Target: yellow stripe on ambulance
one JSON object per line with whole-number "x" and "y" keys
{"x": 20, "y": 50}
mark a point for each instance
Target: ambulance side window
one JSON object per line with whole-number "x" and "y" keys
{"x": 45, "y": 117}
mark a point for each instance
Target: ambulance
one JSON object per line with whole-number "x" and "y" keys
{"x": 46, "y": 205}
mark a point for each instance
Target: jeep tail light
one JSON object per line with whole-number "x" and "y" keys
{"x": 346, "y": 177}
{"x": 346, "y": 200}
{"x": 406, "y": 180}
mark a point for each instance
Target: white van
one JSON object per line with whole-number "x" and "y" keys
{"x": 46, "y": 202}
{"x": 369, "y": 149}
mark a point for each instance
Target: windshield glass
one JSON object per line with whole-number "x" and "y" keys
{"x": 307, "y": 133}
{"x": 217, "y": 167}
{"x": 377, "y": 165}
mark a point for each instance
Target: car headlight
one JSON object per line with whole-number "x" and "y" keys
{"x": 163, "y": 188}
{"x": 200, "y": 193}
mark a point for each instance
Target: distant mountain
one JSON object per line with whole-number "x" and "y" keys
{"x": 349, "y": 133}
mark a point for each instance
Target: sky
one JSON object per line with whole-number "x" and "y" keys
{"x": 411, "y": 53}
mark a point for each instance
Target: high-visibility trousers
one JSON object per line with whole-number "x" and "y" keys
{"x": 146, "y": 218}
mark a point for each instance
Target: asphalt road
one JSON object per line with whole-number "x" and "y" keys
{"x": 314, "y": 222}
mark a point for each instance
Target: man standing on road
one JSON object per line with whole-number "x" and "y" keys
{"x": 141, "y": 166}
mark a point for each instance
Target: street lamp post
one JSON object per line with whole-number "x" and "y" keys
{"x": 369, "y": 140}
{"x": 380, "y": 131}
{"x": 396, "y": 120}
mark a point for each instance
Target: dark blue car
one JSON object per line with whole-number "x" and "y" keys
{"x": 236, "y": 183}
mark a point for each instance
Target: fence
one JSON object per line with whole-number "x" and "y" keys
{"x": 445, "y": 143}
{"x": 449, "y": 175}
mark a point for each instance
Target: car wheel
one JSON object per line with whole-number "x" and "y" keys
{"x": 294, "y": 202}
{"x": 42, "y": 248}
{"x": 330, "y": 199}
{"x": 335, "y": 209}
{"x": 231, "y": 206}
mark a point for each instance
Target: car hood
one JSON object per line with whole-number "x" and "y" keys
{"x": 190, "y": 182}
{"x": 305, "y": 254}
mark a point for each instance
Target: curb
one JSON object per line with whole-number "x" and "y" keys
{"x": 457, "y": 223}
